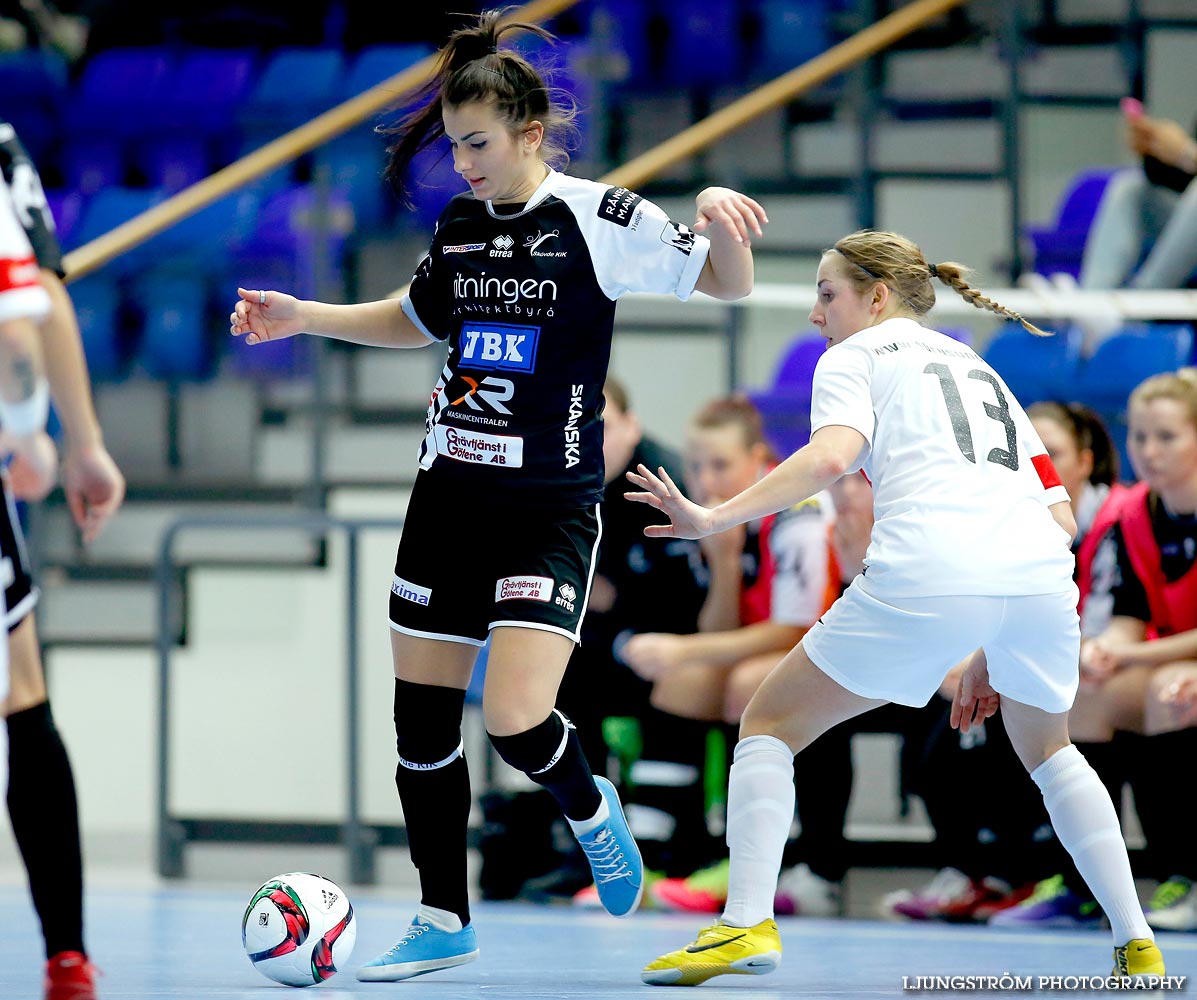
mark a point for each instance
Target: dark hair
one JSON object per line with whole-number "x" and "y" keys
{"x": 1088, "y": 432}
{"x": 471, "y": 67}
{"x": 899, "y": 263}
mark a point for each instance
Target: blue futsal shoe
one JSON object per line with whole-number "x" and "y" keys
{"x": 614, "y": 857}
{"x": 424, "y": 948}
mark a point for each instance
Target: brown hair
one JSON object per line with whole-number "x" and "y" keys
{"x": 728, "y": 411}
{"x": 616, "y": 393}
{"x": 471, "y": 67}
{"x": 1088, "y": 432}
{"x": 1180, "y": 386}
{"x": 898, "y": 263}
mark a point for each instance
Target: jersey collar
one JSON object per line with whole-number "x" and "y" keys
{"x": 539, "y": 195}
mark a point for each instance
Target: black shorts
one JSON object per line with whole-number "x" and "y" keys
{"x": 20, "y": 596}
{"x": 466, "y": 565}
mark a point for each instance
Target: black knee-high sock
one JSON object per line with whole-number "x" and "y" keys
{"x": 434, "y": 788}
{"x": 1153, "y": 778}
{"x": 551, "y": 755}
{"x": 823, "y": 785}
{"x": 668, "y": 810}
{"x": 45, "y": 820}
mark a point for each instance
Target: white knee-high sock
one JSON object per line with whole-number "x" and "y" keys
{"x": 760, "y": 809}
{"x": 1084, "y": 819}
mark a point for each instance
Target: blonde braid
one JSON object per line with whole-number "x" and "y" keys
{"x": 952, "y": 275}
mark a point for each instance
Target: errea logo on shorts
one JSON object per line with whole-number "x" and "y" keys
{"x": 524, "y": 588}
{"x": 566, "y": 595}
{"x": 408, "y": 591}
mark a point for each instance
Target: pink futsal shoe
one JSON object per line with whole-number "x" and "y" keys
{"x": 70, "y": 976}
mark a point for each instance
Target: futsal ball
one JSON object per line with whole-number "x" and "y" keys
{"x": 298, "y": 929}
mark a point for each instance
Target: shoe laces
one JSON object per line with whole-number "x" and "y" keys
{"x": 606, "y": 859}
{"x": 414, "y": 930}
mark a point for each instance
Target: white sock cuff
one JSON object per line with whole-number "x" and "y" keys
{"x": 762, "y": 744}
{"x": 1062, "y": 761}
{"x": 444, "y": 920}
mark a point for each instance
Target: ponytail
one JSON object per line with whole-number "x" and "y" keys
{"x": 471, "y": 67}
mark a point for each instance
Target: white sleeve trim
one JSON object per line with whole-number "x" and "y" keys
{"x": 1056, "y": 494}
{"x": 32, "y": 302}
{"x": 409, "y": 311}
{"x": 693, "y": 269}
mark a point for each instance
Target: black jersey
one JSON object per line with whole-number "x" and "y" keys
{"x": 25, "y": 188}
{"x": 527, "y": 303}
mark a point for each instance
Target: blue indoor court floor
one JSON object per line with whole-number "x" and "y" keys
{"x": 184, "y": 941}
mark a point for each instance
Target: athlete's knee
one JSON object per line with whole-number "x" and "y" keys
{"x": 427, "y": 725}
{"x": 537, "y": 748}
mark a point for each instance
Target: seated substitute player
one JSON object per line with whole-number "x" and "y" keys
{"x": 521, "y": 279}
{"x": 970, "y": 552}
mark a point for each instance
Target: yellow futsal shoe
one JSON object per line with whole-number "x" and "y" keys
{"x": 720, "y": 950}
{"x": 1138, "y": 957}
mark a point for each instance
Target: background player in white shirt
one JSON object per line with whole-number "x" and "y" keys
{"x": 969, "y": 557}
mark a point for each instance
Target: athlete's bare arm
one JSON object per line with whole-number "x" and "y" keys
{"x": 260, "y": 316}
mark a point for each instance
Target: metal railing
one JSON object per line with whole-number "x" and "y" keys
{"x": 175, "y": 832}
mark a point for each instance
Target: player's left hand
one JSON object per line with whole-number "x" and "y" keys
{"x": 94, "y": 486}
{"x": 734, "y": 214}
{"x": 687, "y": 519}
{"x": 975, "y": 699}
{"x": 33, "y": 470}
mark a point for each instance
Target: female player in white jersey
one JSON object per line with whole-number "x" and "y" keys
{"x": 969, "y": 560}
{"x": 521, "y": 280}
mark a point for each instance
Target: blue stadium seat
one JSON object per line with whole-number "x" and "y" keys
{"x": 1124, "y": 360}
{"x": 378, "y": 63}
{"x": 97, "y": 304}
{"x": 1058, "y": 248}
{"x": 1035, "y": 368}
{"x": 117, "y": 95}
{"x": 92, "y": 163}
{"x": 108, "y": 209}
{"x": 34, "y": 85}
{"x": 631, "y": 24}
{"x": 171, "y": 163}
{"x": 205, "y": 91}
{"x": 174, "y": 342}
{"x": 296, "y": 85}
{"x": 704, "y": 44}
{"x": 187, "y": 246}
{"x": 791, "y": 32}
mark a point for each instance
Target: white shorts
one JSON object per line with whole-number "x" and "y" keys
{"x": 899, "y": 649}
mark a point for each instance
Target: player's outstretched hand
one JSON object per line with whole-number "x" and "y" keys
{"x": 737, "y": 215}
{"x": 686, "y": 518}
{"x": 260, "y": 316}
{"x": 975, "y": 699}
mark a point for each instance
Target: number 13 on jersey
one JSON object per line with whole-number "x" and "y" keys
{"x": 999, "y": 411}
